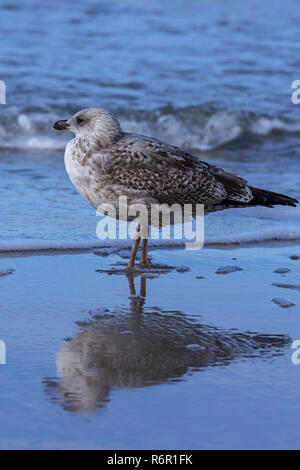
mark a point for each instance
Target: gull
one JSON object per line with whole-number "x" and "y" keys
{"x": 104, "y": 163}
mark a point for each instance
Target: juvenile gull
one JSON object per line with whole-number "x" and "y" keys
{"x": 104, "y": 163}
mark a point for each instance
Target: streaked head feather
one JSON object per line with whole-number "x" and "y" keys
{"x": 96, "y": 125}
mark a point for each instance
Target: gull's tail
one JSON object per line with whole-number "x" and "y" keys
{"x": 263, "y": 197}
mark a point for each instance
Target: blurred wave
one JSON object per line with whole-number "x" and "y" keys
{"x": 202, "y": 127}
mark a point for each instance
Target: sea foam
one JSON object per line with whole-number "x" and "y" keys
{"x": 281, "y": 233}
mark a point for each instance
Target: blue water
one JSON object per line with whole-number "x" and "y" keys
{"x": 182, "y": 64}
{"x": 132, "y": 54}
{"x": 214, "y": 77}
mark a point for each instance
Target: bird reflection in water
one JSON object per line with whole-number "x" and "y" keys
{"x": 140, "y": 346}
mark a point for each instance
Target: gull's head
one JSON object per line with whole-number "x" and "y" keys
{"x": 94, "y": 124}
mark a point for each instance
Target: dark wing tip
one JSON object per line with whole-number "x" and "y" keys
{"x": 265, "y": 197}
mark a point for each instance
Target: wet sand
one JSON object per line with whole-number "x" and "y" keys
{"x": 194, "y": 352}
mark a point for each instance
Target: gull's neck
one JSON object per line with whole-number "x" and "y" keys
{"x": 90, "y": 143}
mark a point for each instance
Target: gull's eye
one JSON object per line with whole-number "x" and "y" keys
{"x": 79, "y": 121}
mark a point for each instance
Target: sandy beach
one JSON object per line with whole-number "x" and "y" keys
{"x": 189, "y": 356}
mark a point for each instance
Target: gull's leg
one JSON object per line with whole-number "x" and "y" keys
{"x": 136, "y": 242}
{"x": 144, "y": 260}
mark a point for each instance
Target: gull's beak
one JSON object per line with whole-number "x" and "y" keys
{"x": 61, "y": 125}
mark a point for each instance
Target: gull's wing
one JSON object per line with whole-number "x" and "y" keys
{"x": 170, "y": 175}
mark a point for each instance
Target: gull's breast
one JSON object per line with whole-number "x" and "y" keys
{"x": 84, "y": 176}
